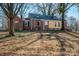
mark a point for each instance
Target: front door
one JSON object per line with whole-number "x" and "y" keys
{"x": 38, "y": 25}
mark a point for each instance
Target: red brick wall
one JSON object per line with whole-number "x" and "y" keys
{"x": 34, "y": 24}
{"x": 18, "y": 23}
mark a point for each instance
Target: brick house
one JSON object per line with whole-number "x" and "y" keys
{"x": 42, "y": 22}
{"x": 36, "y": 22}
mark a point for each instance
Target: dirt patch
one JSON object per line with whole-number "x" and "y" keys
{"x": 28, "y": 44}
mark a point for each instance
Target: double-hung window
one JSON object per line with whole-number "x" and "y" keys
{"x": 59, "y": 24}
{"x": 55, "y": 24}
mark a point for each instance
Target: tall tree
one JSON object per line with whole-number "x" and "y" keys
{"x": 23, "y": 10}
{"x": 11, "y": 10}
{"x": 72, "y": 23}
{"x": 62, "y": 9}
{"x": 26, "y": 9}
{"x": 46, "y": 8}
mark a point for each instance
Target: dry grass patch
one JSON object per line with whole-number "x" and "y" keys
{"x": 29, "y": 43}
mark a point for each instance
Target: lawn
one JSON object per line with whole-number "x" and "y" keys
{"x": 36, "y": 44}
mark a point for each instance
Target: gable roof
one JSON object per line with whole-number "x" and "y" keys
{"x": 45, "y": 17}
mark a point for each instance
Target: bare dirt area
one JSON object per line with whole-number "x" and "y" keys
{"x": 36, "y": 44}
{"x": 69, "y": 43}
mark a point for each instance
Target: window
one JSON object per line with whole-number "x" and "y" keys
{"x": 27, "y": 23}
{"x": 46, "y": 23}
{"x": 55, "y": 24}
{"x": 59, "y": 24}
{"x": 38, "y": 23}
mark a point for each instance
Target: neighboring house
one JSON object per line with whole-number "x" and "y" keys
{"x": 42, "y": 22}
{"x": 18, "y": 23}
{"x": 3, "y": 23}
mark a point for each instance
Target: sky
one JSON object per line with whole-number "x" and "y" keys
{"x": 73, "y": 11}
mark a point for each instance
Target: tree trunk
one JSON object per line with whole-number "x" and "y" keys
{"x": 49, "y": 9}
{"x": 11, "y": 26}
{"x": 63, "y": 28}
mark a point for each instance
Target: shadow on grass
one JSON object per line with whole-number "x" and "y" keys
{"x": 76, "y": 41}
{"x": 24, "y": 33}
{"x": 54, "y": 31}
{"x": 73, "y": 34}
{"x": 21, "y": 47}
{"x": 63, "y": 45}
{"x": 5, "y": 36}
{"x": 39, "y": 31}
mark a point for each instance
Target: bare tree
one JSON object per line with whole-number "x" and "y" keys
{"x": 62, "y": 9}
{"x": 76, "y": 26}
{"x": 77, "y": 5}
{"x": 23, "y": 10}
{"x": 26, "y": 9}
{"x": 73, "y": 23}
{"x": 46, "y": 8}
{"x": 11, "y": 10}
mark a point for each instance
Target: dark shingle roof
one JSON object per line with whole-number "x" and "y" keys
{"x": 39, "y": 16}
